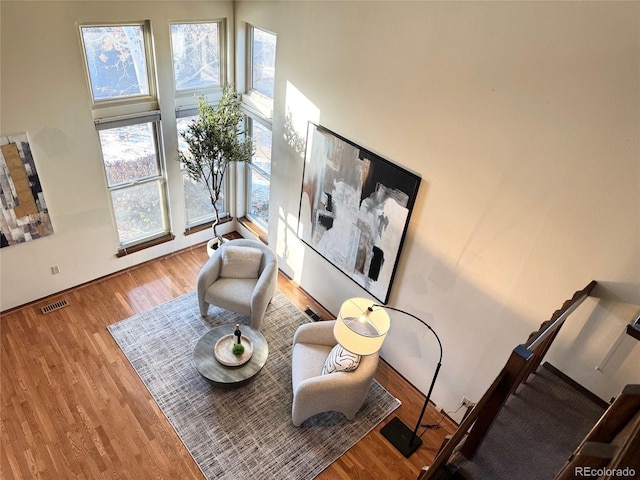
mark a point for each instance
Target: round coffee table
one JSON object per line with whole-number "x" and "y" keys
{"x": 221, "y": 375}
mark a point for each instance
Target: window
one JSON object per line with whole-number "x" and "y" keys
{"x": 116, "y": 61}
{"x": 259, "y": 174}
{"x": 198, "y": 69}
{"x": 133, "y": 166}
{"x": 197, "y": 201}
{"x": 196, "y": 52}
{"x": 262, "y": 66}
{"x": 120, "y": 73}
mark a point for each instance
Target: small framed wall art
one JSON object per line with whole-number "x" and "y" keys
{"x": 24, "y": 214}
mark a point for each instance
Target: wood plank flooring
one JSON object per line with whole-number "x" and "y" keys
{"x": 72, "y": 407}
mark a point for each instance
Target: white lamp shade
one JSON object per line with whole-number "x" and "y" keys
{"x": 358, "y": 330}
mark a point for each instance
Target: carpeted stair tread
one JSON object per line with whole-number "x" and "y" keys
{"x": 535, "y": 432}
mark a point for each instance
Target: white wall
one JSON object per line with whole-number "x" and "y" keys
{"x": 44, "y": 93}
{"x": 522, "y": 119}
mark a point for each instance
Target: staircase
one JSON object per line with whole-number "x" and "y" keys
{"x": 546, "y": 412}
{"x": 529, "y": 421}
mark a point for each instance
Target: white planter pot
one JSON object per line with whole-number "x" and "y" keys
{"x": 212, "y": 246}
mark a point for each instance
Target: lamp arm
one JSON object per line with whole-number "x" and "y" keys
{"x": 435, "y": 375}
{"x": 417, "y": 318}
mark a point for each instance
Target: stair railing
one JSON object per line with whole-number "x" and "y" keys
{"x": 613, "y": 443}
{"x": 523, "y": 361}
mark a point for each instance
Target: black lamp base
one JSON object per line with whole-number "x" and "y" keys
{"x": 401, "y": 437}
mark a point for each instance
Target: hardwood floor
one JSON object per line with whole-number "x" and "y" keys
{"x": 72, "y": 407}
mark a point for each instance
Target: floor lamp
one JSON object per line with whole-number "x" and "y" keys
{"x": 361, "y": 328}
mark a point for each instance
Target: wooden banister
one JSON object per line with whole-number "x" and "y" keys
{"x": 559, "y": 316}
{"x": 613, "y": 442}
{"x": 540, "y": 341}
{"x": 628, "y": 455}
{"x": 511, "y": 377}
{"x": 524, "y": 360}
{"x": 447, "y": 449}
{"x": 623, "y": 408}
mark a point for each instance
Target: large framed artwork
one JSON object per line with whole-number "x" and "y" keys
{"x": 355, "y": 208}
{"x": 24, "y": 215}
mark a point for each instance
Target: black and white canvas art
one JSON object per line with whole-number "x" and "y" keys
{"x": 355, "y": 208}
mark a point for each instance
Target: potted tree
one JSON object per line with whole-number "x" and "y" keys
{"x": 215, "y": 139}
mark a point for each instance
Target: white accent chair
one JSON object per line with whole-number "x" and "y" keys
{"x": 245, "y": 293}
{"x": 315, "y": 393}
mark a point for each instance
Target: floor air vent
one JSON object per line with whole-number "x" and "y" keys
{"x": 313, "y": 315}
{"x": 54, "y": 306}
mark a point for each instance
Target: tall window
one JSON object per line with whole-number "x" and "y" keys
{"x": 198, "y": 69}
{"x": 261, "y": 85}
{"x": 120, "y": 74}
{"x": 263, "y": 62}
{"x": 259, "y": 173}
{"x": 133, "y": 165}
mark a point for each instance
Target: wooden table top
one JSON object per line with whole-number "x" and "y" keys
{"x": 221, "y": 375}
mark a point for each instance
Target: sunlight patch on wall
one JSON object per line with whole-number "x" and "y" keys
{"x": 299, "y": 112}
{"x": 289, "y": 247}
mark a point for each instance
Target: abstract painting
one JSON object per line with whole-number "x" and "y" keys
{"x": 24, "y": 215}
{"x": 355, "y": 208}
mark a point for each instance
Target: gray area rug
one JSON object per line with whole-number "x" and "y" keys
{"x": 247, "y": 430}
{"x": 535, "y": 433}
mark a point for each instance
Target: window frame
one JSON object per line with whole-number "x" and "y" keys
{"x": 130, "y": 110}
{"x": 186, "y": 106}
{"x": 253, "y": 98}
{"x": 258, "y": 108}
{"x": 188, "y": 93}
{"x": 154, "y": 119}
{"x": 251, "y": 88}
{"x": 129, "y": 100}
{"x": 252, "y": 167}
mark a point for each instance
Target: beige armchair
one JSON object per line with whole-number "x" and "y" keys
{"x": 240, "y": 276}
{"x": 314, "y": 392}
